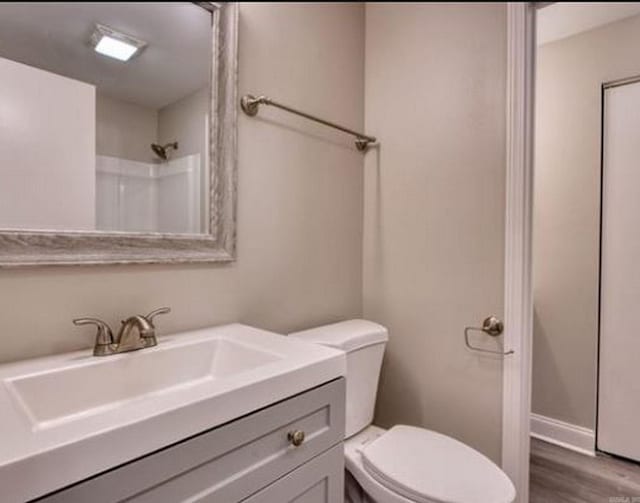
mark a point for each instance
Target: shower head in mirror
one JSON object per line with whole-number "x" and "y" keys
{"x": 163, "y": 151}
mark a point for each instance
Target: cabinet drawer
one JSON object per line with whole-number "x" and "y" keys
{"x": 320, "y": 480}
{"x": 228, "y": 463}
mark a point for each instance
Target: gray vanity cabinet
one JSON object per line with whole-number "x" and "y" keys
{"x": 251, "y": 459}
{"x": 320, "y": 480}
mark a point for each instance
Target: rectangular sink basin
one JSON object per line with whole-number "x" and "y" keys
{"x": 110, "y": 381}
{"x": 62, "y": 415}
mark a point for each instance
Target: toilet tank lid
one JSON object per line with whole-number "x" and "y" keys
{"x": 346, "y": 335}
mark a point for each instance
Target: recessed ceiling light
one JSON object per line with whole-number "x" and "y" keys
{"x": 115, "y": 48}
{"x": 114, "y": 44}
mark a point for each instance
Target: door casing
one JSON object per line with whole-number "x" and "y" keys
{"x": 516, "y": 403}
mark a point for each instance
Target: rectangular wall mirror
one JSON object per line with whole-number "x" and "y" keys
{"x": 117, "y": 132}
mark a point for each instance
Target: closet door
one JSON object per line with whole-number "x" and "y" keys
{"x": 619, "y": 372}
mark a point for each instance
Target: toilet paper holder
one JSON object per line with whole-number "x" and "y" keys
{"x": 492, "y": 326}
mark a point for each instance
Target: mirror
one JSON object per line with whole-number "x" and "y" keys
{"x": 111, "y": 130}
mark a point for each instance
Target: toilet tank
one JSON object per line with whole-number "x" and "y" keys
{"x": 364, "y": 343}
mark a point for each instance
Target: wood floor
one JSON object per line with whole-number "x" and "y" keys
{"x": 562, "y": 476}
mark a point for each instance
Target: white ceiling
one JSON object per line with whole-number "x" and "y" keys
{"x": 564, "y": 19}
{"x": 55, "y": 37}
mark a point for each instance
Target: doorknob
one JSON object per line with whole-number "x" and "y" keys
{"x": 491, "y": 326}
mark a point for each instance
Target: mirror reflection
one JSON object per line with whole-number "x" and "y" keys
{"x": 104, "y": 116}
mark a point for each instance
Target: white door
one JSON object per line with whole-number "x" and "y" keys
{"x": 619, "y": 373}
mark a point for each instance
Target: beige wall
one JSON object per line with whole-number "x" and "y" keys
{"x": 47, "y": 137}
{"x": 434, "y": 210}
{"x": 187, "y": 122}
{"x": 567, "y": 211}
{"x": 125, "y": 130}
{"x": 299, "y": 207}
{"x": 433, "y": 248}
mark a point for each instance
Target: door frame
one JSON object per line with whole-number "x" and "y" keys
{"x": 518, "y": 292}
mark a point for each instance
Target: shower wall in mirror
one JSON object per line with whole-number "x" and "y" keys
{"x": 117, "y": 120}
{"x": 147, "y": 196}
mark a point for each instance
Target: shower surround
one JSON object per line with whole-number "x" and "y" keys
{"x": 149, "y": 197}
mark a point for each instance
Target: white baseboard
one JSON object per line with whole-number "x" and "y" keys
{"x": 569, "y": 436}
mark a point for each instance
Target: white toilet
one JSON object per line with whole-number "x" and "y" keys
{"x": 404, "y": 464}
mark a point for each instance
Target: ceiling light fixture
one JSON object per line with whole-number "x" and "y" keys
{"x": 114, "y": 44}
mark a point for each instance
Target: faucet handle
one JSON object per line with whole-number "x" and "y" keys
{"x": 104, "y": 336}
{"x": 156, "y": 312}
{"x": 149, "y": 337}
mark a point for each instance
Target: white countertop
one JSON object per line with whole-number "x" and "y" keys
{"x": 38, "y": 457}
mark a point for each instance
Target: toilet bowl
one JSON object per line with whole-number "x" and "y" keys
{"x": 404, "y": 464}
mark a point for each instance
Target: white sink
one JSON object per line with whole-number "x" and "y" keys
{"x": 61, "y": 416}
{"x": 89, "y": 388}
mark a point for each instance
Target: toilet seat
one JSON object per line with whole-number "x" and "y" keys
{"x": 414, "y": 465}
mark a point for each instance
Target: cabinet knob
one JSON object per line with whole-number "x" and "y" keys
{"x": 296, "y": 437}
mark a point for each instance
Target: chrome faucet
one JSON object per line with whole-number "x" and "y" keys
{"x": 136, "y": 332}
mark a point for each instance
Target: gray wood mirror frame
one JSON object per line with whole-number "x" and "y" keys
{"x": 20, "y": 248}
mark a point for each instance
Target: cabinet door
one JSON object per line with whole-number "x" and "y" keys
{"x": 320, "y": 480}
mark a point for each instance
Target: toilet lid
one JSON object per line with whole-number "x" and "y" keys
{"x": 426, "y": 467}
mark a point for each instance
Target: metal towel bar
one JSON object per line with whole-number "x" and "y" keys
{"x": 250, "y": 105}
